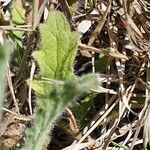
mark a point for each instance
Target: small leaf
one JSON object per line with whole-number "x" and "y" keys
{"x": 100, "y": 65}
{"x": 41, "y": 88}
{"x": 58, "y": 46}
{"x": 18, "y": 12}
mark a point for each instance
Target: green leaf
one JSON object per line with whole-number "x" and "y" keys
{"x": 58, "y": 47}
{"x": 52, "y": 104}
{"x": 2, "y": 147}
{"x": 119, "y": 145}
{"x": 16, "y": 37}
{"x": 18, "y": 12}
{"x": 5, "y": 51}
{"x": 100, "y": 65}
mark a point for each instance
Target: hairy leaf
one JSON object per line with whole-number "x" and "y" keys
{"x": 57, "y": 47}
{"x": 52, "y": 104}
{"x": 18, "y": 12}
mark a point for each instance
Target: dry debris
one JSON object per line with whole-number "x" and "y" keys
{"x": 118, "y": 31}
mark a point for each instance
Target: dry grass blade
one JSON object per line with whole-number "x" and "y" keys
{"x": 78, "y": 146}
{"x": 122, "y": 89}
{"x": 139, "y": 124}
{"x": 65, "y": 8}
{"x": 35, "y": 11}
{"x": 98, "y": 121}
{"x": 112, "y": 130}
{"x": 109, "y": 51}
{"x": 19, "y": 28}
{"x": 124, "y": 129}
{"x": 146, "y": 133}
{"x": 98, "y": 29}
{"x": 142, "y": 113}
{"x": 19, "y": 117}
{"x": 103, "y": 110}
{"x": 11, "y": 89}
{"x": 72, "y": 122}
{"x": 5, "y": 123}
{"x": 39, "y": 14}
{"x": 30, "y": 86}
{"x": 120, "y": 64}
